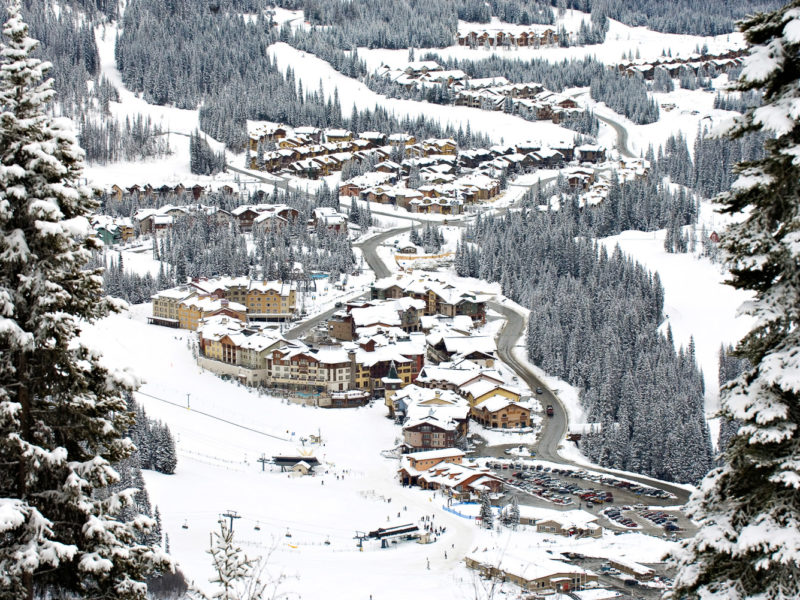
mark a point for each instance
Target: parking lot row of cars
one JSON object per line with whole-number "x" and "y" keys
{"x": 546, "y": 479}
{"x": 615, "y": 514}
{"x": 659, "y": 517}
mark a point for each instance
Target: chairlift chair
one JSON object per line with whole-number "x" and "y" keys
{"x": 257, "y": 526}
{"x": 185, "y": 524}
{"x": 288, "y": 533}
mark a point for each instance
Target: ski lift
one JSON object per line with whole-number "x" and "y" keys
{"x": 258, "y": 526}
{"x": 327, "y": 541}
{"x": 288, "y": 533}
{"x": 185, "y": 524}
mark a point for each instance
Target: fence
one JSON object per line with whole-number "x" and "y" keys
{"x": 458, "y": 514}
{"x": 399, "y": 257}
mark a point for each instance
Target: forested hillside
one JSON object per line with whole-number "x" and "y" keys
{"x": 594, "y": 323}
{"x": 174, "y": 54}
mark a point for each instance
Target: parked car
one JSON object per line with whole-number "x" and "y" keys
{"x": 539, "y": 391}
{"x": 549, "y": 410}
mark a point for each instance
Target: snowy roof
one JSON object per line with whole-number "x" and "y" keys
{"x": 497, "y": 402}
{"x": 465, "y": 344}
{"x": 483, "y": 387}
{"x": 488, "y": 81}
{"x": 370, "y": 179}
{"x": 372, "y": 315}
{"x": 441, "y": 453}
{"x": 372, "y": 331}
{"x": 528, "y": 566}
{"x": 270, "y": 286}
{"x": 419, "y": 65}
{"x": 385, "y": 313}
{"x": 381, "y": 354}
{"x": 217, "y": 327}
{"x": 178, "y": 293}
{"x": 338, "y": 132}
{"x": 633, "y": 566}
{"x": 331, "y": 355}
{"x": 269, "y": 216}
{"x": 455, "y": 377}
{"x": 548, "y": 153}
{"x": 414, "y": 394}
{"x": 207, "y": 304}
{"x": 433, "y": 421}
{"x": 452, "y": 474}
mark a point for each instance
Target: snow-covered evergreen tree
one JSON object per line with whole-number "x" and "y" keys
{"x": 511, "y": 513}
{"x": 486, "y": 515}
{"x": 62, "y": 415}
{"x": 164, "y": 457}
{"x": 748, "y": 542}
{"x": 233, "y": 572}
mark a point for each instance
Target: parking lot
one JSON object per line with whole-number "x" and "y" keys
{"x": 620, "y": 504}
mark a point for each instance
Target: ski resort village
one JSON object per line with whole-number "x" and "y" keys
{"x": 388, "y": 299}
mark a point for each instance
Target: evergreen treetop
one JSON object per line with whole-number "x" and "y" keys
{"x": 748, "y": 543}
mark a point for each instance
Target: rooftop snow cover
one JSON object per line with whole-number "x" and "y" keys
{"x": 525, "y": 565}
{"x": 566, "y": 518}
{"x": 420, "y": 402}
{"x": 213, "y": 304}
{"x": 386, "y": 313}
{"x": 468, "y": 344}
{"x": 433, "y": 421}
{"x": 178, "y": 293}
{"x": 456, "y": 376}
{"x": 498, "y": 402}
{"x": 479, "y": 388}
{"x": 441, "y": 453}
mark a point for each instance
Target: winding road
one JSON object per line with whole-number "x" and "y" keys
{"x": 554, "y": 428}
{"x": 622, "y": 135}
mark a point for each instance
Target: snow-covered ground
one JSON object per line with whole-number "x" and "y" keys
{"x": 217, "y": 468}
{"x": 178, "y": 122}
{"x": 693, "y": 111}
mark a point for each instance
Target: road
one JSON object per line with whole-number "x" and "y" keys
{"x": 554, "y": 429}
{"x": 273, "y": 180}
{"x": 370, "y": 250}
{"x": 622, "y": 136}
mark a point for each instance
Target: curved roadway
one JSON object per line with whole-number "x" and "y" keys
{"x": 622, "y": 135}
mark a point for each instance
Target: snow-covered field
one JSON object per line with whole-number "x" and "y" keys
{"x": 179, "y": 123}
